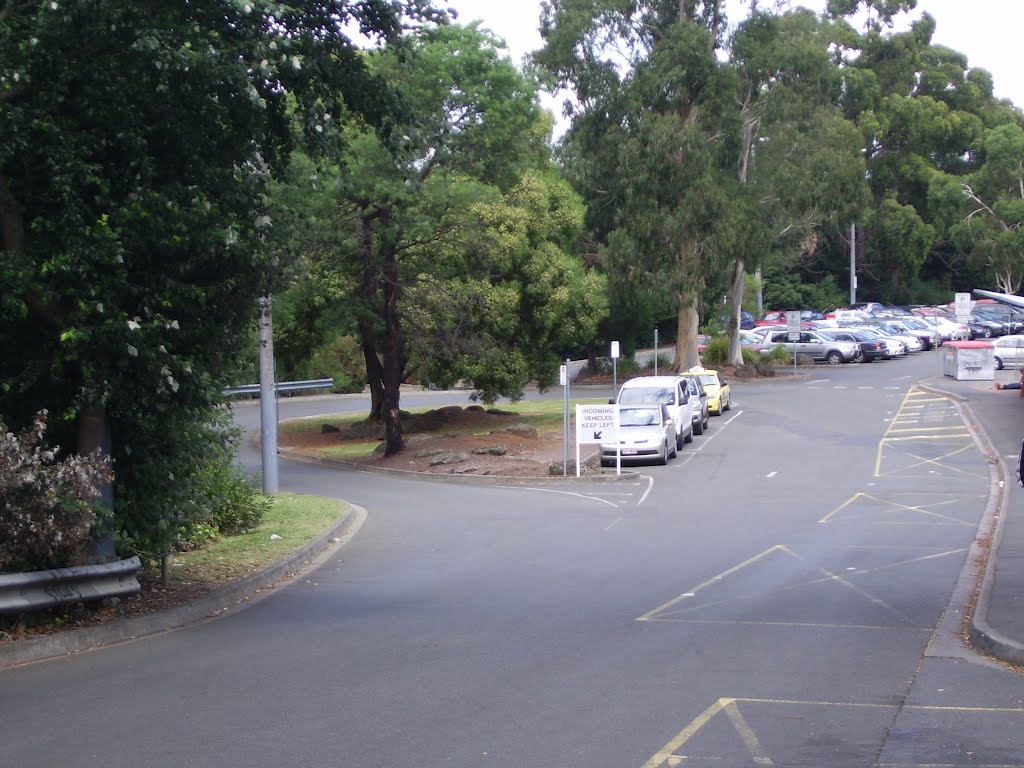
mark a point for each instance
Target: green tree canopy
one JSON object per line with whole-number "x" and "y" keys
{"x": 138, "y": 142}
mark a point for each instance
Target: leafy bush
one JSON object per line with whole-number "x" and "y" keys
{"x": 240, "y": 507}
{"x": 196, "y": 493}
{"x": 627, "y": 367}
{"x": 47, "y": 506}
{"x": 779, "y": 354}
{"x": 717, "y": 351}
{"x": 663, "y": 363}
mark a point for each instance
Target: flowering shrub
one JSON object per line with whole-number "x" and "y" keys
{"x": 47, "y": 507}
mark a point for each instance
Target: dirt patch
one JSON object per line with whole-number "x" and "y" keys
{"x": 453, "y": 441}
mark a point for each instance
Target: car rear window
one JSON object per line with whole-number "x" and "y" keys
{"x": 646, "y": 395}
{"x": 639, "y": 417}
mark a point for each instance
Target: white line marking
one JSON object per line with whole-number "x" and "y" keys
{"x": 771, "y": 474}
{"x": 615, "y": 522}
{"x": 650, "y": 486}
{"x": 715, "y": 434}
{"x": 577, "y": 495}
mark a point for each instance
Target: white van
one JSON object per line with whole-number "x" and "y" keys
{"x": 673, "y": 391}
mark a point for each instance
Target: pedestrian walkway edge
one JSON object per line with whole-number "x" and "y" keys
{"x": 985, "y": 638}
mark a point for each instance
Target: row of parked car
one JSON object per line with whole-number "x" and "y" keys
{"x": 859, "y": 335}
{"x": 658, "y": 415}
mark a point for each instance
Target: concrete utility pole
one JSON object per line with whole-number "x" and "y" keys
{"x": 268, "y": 398}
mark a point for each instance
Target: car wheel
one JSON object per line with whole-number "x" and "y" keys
{"x": 999, "y": 364}
{"x": 987, "y": 333}
{"x": 707, "y": 419}
{"x": 674, "y": 452}
{"x": 727, "y": 404}
{"x": 689, "y": 437}
{"x": 698, "y": 428}
{"x": 663, "y": 457}
{"x": 859, "y": 357}
{"x": 834, "y": 357}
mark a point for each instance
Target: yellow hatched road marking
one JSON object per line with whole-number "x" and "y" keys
{"x": 747, "y": 734}
{"x": 666, "y": 752}
{"x": 668, "y": 756}
{"x": 676, "y": 600}
{"x": 924, "y": 509}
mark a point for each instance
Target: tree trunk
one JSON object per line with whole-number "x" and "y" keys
{"x": 736, "y": 281}
{"x": 592, "y": 357}
{"x": 393, "y": 356}
{"x": 374, "y": 370}
{"x": 368, "y": 336}
{"x": 688, "y": 318}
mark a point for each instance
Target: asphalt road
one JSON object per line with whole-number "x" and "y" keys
{"x": 781, "y": 594}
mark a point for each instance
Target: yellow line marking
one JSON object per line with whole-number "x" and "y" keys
{"x": 667, "y": 755}
{"x": 937, "y": 461}
{"x": 747, "y": 734}
{"x": 690, "y": 593}
{"x": 915, "y": 708}
{"x": 843, "y": 582}
{"x": 920, "y": 508}
{"x": 687, "y": 733}
{"x": 829, "y": 577}
{"x": 842, "y": 506}
{"x": 802, "y": 624}
{"x": 958, "y": 428}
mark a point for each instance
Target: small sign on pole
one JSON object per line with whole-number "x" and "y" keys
{"x": 596, "y": 424}
{"x": 793, "y": 331}
{"x": 963, "y": 307}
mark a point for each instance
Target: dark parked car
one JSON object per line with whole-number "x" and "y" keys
{"x": 746, "y": 321}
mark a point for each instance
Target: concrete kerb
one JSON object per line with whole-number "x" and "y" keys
{"x": 221, "y": 602}
{"x": 982, "y": 635}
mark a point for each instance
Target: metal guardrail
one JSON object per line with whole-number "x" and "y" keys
{"x": 281, "y": 386}
{"x": 21, "y": 592}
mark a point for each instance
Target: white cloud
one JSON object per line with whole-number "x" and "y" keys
{"x": 987, "y": 31}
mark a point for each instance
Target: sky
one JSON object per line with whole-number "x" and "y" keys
{"x": 988, "y": 32}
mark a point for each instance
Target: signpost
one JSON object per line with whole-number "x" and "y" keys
{"x": 615, "y": 359}
{"x": 597, "y": 424}
{"x": 563, "y": 379}
{"x": 793, "y": 331}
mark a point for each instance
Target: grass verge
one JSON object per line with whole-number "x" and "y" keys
{"x": 292, "y": 521}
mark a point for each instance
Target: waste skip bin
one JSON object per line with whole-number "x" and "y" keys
{"x": 969, "y": 360}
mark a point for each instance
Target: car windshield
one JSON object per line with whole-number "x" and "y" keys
{"x": 708, "y": 379}
{"x": 646, "y": 395}
{"x": 639, "y": 417}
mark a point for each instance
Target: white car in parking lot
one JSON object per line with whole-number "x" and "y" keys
{"x": 673, "y": 391}
{"x": 646, "y": 432}
{"x": 1008, "y": 351}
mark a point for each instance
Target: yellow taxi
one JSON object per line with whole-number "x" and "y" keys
{"x": 719, "y": 394}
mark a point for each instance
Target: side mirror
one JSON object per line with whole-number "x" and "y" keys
{"x": 611, "y": 401}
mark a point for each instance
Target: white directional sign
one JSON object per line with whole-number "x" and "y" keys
{"x": 597, "y": 423}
